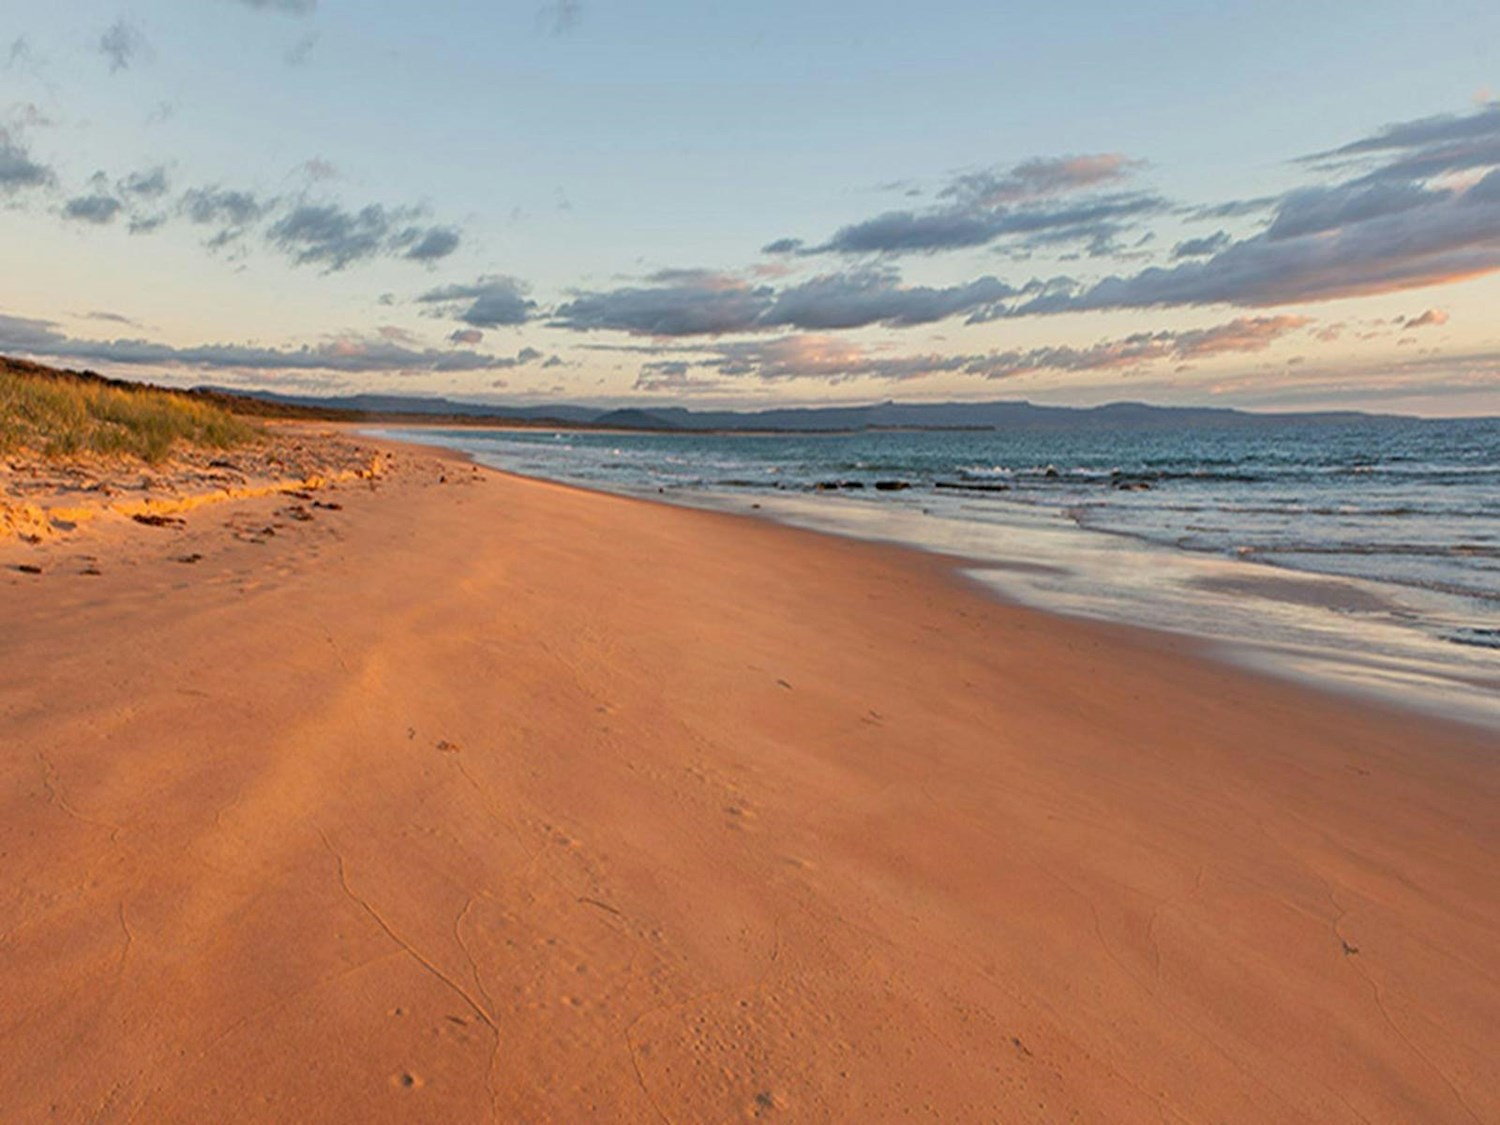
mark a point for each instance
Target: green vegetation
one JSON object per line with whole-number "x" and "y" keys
{"x": 62, "y": 414}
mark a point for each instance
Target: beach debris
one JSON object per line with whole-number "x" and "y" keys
{"x": 330, "y": 505}
{"x": 28, "y": 568}
{"x": 298, "y": 512}
{"x": 784, "y": 684}
{"x": 297, "y": 494}
{"x": 1349, "y": 950}
{"x": 192, "y": 558}
{"x": 151, "y": 519}
{"x": 447, "y": 747}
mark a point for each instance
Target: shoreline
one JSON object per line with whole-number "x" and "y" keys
{"x": 485, "y": 796}
{"x": 1358, "y": 667}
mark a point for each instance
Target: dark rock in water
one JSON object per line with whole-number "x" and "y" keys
{"x": 852, "y": 484}
{"x": 891, "y": 485}
{"x": 1051, "y": 473}
{"x": 970, "y": 486}
{"x": 1127, "y": 485}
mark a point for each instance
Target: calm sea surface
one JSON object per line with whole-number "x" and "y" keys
{"x": 1364, "y": 554}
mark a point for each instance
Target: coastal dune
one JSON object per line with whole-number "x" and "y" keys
{"x": 479, "y": 798}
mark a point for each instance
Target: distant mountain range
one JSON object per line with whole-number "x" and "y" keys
{"x": 880, "y": 416}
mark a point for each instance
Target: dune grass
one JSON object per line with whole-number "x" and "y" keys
{"x": 61, "y": 416}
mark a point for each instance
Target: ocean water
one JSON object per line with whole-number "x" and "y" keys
{"x": 1365, "y": 554}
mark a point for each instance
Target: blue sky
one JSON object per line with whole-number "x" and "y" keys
{"x": 1070, "y": 203}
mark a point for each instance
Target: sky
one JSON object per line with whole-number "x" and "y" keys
{"x": 1262, "y": 205}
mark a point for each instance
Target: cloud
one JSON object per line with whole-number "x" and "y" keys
{"x": 1432, "y": 318}
{"x": 96, "y": 209}
{"x": 231, "y": 211}
{"x": 690, "y": 303}
{"x": 1315, "y": 209}
{"x": 1022, "y": 202}
{"x": 1424, "y": 149}
{"x": 489, "y": 302}
{"x": 1202, "y": 247}
{"x": 703, "y": 303}
{"x": 1038, "y": 178}
{"x": 150, "y": 184}
{"x": 903, "y": 232}
{"x": 428, "y": 245}
{"x": 328, "y": 235}
{"x": 466, "y": 336}
{"x": 559, "y": 16}
{"x": 351, "y": 354}
{"x": 17, "y": 168}
{"x": 1448, "y": 236}
{"x": 319, "y": 169}
{"x": 854, "y": 300}
{"x": 123, "y": 45}
{"x": 831, "y": 359}
{"x": 334, "y": 237}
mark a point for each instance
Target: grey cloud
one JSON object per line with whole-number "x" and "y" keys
{"x": 1038, "y": 178}
{"x": 19, "y": 335}
{"x": 1425, "y": 148}
{"x": 1448, "y": 237}
{"x": 1234, "y": 209}
{"x": 331, "y": 236}
{"x": 96, "y": 209}
{"x": 328, "y": 235}
{"x": 1442, "y": 129}
{"x": 706, "y": 304}
{"x": 17, "y": 168}
{"x": 490, "y": 302}
{"x": 875, "y": 297}
{"x": 150, "y": 184}
{"x": 1202, "y": 247}
{"x": 901, "y": 232}
{"x": 123, "y": 45}
{"x": 231, "y": 212}
{"x": 466, "y": 336}
{"x": 985, "y": 206}
{"x": 1314, "y": 209}
{"x": 223, "y": 207}
{"x": 428, "y": 245}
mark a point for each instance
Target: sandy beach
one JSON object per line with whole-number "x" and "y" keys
{"x": 450, "y": 796}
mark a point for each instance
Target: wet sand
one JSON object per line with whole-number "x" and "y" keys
{"x": 450, "y": 796}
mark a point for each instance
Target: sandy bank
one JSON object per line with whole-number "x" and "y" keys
{"x": 468, "y": 797}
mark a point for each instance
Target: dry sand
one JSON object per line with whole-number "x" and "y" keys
{"x": 493, "y": 799}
